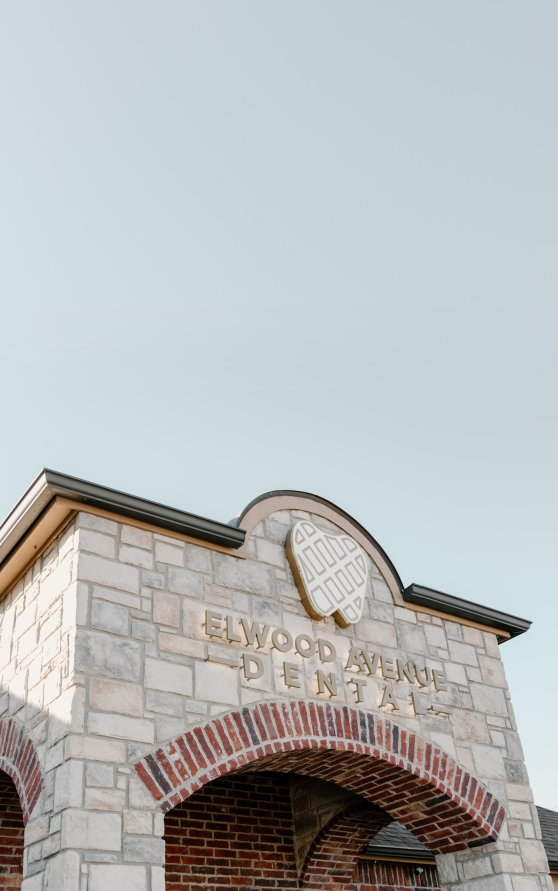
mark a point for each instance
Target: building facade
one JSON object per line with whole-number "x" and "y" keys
{"x": 188, "y": 704}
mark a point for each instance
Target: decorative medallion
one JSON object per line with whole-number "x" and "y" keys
{"x": 330, "y": 570}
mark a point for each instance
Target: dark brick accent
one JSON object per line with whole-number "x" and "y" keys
{"x": 11, "y": 836}
{"x": 19, "y": 760}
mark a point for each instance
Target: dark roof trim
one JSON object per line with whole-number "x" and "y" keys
{"x": 400, "y": 853}
{"x": 49, "y": 483}
{"x": 293, "y": 493}
{"x": 465, "y": 609}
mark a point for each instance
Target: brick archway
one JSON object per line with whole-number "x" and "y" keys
{"x": 333, "y": 855}
{"x": 19, "y": 760}
{"x": 415, "y": 782}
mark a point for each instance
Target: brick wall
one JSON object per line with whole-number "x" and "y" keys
{"x": 11, "y": 836}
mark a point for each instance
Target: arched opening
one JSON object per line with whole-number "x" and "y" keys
{"x": 11, "y": 835}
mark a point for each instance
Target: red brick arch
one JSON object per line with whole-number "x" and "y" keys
{"x": 418, "y": 784}
{"x": 333, "y": 855}
{"x": 18, "y": 758}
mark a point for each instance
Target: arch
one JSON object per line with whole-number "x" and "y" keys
{"x": 418, "y": 784}
{"x": 333, "y": 855}
{"x": 286, "y": 499}
{"x": 18, "y": 758}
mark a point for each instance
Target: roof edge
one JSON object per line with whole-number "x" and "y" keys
{"x": 465, "y": 609}
{"x": 49, "y": 483}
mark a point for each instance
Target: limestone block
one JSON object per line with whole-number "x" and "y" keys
{"x": 271, "y": 552}
{"x": 534, "y": 856}
{"x": 184, "y": 646}
{"x": 166, "y": 553}
{"x": 455, "y": 673}
{"x": 198, "y": 559}
{"x": 166, "y": 609}
{"x": 435, "y": 636}
{"x": 216, "y": 683}
{"x": 62, "y": 872}
{"x": 472, "y": 636}
{"x": 106, "y": 877}
{"x": 505, "y": 862}
{"x": 474, "y": 869}
{"x": 139, "y": 538}
{"x": 470, "y": 726}
{"x": 139, "y": 796}
{"x": 68, "y": 786}
{"x": 135, "y": 557}
{"x": 25, "y": 620}
{"x": 142, "y": 630}
{"x": 138, "y": 822}
{"x": 488, "y": 762}
{"x": 518, "y": 792}
{"x": 99, "y": 653}
{"x": 67, "y": 714}
{"x": 447, "y": 868}
{"x": 411, "y": 639}
{"x": 99, "y": 775}
{"x": 184, "y": 581}
{"x": 380, "y": 633}
{"x": 36, "y": 830}
{"x": 513, "y": 743}
{"x": 246, "y": 575}
{"x": 107, "y": 573}
{"x": 164, "y": 703}
{"x": 95, "y": 749}
{"x": 120, "y": 727}
{"x": 168, "y": 677}
{"x": 461, "y": 652}
{"x": 267, "y": 611}
{"x": 158, "y": 879}
{"x": 104, "y": 799}
{"x": 519, "y": 810}
{"x": 526, "y": 883}
{"x": 95, "y": 543}
{"x": 86, "y": 829}
{"x": 90, "y": 521}
{"x": 35, "y": 883}
{"x": 168, "y": 728}
{"x": 381, "y": 591}
{"x": 114, "y": 596}
{"x": 113, "y": 696}
{"x": 493, "y": 672}
{"x": 491, "y": 644}
{"x": 489, "y": 700}
{"x": 109, "y": 617}
{"x": 144, "y": 850}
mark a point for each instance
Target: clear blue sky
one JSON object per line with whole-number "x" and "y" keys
{"x": 304, "y": 245}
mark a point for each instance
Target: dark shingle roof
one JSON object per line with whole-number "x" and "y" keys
{"x": 549, "y": 827}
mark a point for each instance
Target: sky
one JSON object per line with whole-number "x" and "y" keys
{"x": 305, "y": 245}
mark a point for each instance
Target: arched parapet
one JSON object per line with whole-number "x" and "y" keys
{"x": 19, "y": 759}
{"x": 411, "y": 779}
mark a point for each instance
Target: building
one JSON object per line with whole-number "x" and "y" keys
{"x": 193, "y": 704}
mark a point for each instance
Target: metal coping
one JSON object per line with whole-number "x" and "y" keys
{"x": 465, "y": 609}
{"x": 49, "y": 483}
{"x": 399, "y": 853}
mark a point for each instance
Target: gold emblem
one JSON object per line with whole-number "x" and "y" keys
{"x": 330, "y": 572}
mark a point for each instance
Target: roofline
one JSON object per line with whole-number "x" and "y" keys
{"x": 465, "y": 609}
{"x": 49, "y": 483}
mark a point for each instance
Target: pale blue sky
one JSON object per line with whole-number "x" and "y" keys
{"x": 304, "y": 245}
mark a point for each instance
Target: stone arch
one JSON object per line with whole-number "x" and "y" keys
{"x": 333, "y": 855}
{"x": 18, "y": 758}
{"x": 411, "y": 779}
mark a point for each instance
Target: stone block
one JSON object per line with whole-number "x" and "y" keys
{"x": 99, "y": 653}
{"x": 138, "y": 538}
{"x": 435, "y": 636}
{"x": 470, "y": 726}
{"x": 120, "y": 727}
{"x": 138, "y": 822}
{"x": 198, "y": 558}
{"x": 381, "y": 591}
{"x": 216, "y": 683}
{"x": 513, "y": 743}
{"x": 493, "y": 672}
{"x": 526, "y": 883}
{"x": 271, "y": 552}
{"x": 62, "y": 872}
{"x": 447, "y": 868}
{"x": 491, "y": 644}
{"x": 114, "y": 596}
{"x": 54, "y": 585}
{"x": 99, "y": 775}
{"x": 68, "y": 785}
{"x": 168, "y": 677}
{"x": 183, "y": 646}
{"x": 411, "y": 639}
{"x": 139, "y": 796}
{"x": 109, "y": 617}
{"x": 166, "y": 553}
{"x": 380, "y": 633}
{"x": 107, "y": 573}
{"x": 106, "y": 877}
{"x": 157, "y": 878}
{"x": 505, "y": 862}
{"x": 36, "y": 830}
{"x": 96, "y": 543}
{"x": 245, "y": 575}
{"x": 164, "y": 703}
{"x": 113, "y": 696}
{"x": 472, "y": 636}
{"x": 90, "y": 521}
{"x": 474, "y": 869}
{"x": 95, "y": 832}
{"x": 168, "y": 728}
{"x": 35, "y": 883}
{"x": 488, "y": 762}
{"x": 267, "y": 611}
{"x": 455, "y": 673}
{"x": 142, "y": 630}
{"x": 461, "y": 652}
{"x": 184, "y": 581}
{"x": 518, "y": 792}
{"x": 144, "y": 850}
{"x": 104, "y": 799}
{"x": 135, "y": 557}
{"x": 489, "y": 700}
{"x": 166, "y": 609}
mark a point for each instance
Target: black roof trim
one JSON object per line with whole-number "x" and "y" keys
{"x": 400, "y": 853}
{"x": 50, "y": 483}
{"x": 293, "y": 493}
{"x": 465, "y": 609}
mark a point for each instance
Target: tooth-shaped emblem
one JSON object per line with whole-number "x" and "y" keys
{"x": 330, "y": 570}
